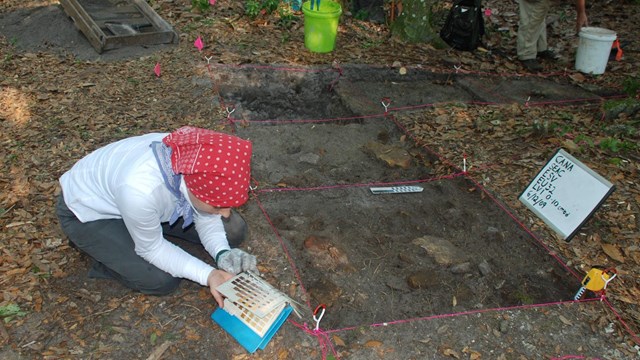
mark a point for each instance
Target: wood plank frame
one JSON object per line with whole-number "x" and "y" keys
{"x": 162, "y": 32}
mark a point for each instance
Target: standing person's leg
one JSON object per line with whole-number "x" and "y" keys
{"x": 532, "y": 28}
{"x": 543, "y": 11}
{"x": 109, "y": 243}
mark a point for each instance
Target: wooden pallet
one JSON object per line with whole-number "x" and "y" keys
{"x": 112, "y": 24}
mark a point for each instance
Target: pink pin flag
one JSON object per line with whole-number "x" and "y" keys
{"x": 156, "y": 69}
{"x": 487, "y": 12}
{"x": 198, "y": 43}
{"x": 212, "y": 2}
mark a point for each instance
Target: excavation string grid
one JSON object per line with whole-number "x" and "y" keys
{"x": 296, "y": 203}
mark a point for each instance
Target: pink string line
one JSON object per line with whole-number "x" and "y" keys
{"x": 633, "y": 335}
{"x": 493, "y": 198}
{"x": 344, "y": 186}
{"x": 419, "y": 143}
{"x": 284, "y": 248}
{"x": 416, "y": 107}
{"x": 322, "y": 336}
{"x": 323, "y": 339}
{"x": 297, "y": 121}
{"x": 340, "y": 74}
{"x": 599, "y": 99}
{"x": 273, "y": 67}
{"x": 524, "y": 227}
{"x": 463, "y": 313}
{"x": 216, "y": 88}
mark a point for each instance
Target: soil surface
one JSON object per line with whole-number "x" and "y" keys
{"x": 459, "y": 270}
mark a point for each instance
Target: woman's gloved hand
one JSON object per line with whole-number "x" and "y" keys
{"x": 235, "y": 261}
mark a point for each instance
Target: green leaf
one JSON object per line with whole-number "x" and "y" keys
{"x": 9, "y": 311}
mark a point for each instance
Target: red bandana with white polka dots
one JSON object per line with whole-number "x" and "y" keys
{"x": 215, "y": 166}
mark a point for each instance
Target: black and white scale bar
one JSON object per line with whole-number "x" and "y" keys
{"x": 396, "y": 190}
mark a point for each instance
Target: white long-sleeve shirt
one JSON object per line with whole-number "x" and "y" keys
{"x": 123, "y": 181}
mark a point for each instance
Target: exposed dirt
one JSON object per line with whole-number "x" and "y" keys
{"x": 459, "y": 270}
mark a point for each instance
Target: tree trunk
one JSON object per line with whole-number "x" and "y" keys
{"x": 413, "y": 24}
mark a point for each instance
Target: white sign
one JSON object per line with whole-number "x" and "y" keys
{"x": 565, "y": 193}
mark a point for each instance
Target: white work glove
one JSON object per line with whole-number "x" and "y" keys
{"x": 235, "y": 261}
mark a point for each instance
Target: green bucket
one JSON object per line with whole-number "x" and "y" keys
{"x": 321, "y": 25}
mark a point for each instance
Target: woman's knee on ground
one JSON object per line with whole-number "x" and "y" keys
{"x": 158, "y": 283}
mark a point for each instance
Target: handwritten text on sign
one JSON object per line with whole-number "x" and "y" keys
{"x": 565, "y": 193}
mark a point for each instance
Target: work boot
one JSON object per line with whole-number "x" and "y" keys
{"x": 548, "y": 55}
{"x": 236, "y": 228}
{"x": 532, "y": 65}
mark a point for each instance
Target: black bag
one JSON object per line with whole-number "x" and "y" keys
{"x": 464, "y": 26}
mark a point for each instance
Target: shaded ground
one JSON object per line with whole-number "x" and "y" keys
{"x": 440, "y": 274}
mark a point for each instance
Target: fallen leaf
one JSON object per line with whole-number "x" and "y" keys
{"x": 338, "y": 341}
{"x": 565, "y": 320}
{"x": 626, "y": 299}
{"x": 577, "y": 77}
{"x": 373, "y": 343}
{"x": 451, "y": 352}
{"x": 192, "y": 335}
{"x": 570, "y": 145}
{"x": 613, "y": 252}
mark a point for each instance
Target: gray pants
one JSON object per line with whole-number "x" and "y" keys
{"x": 110, "y": 245}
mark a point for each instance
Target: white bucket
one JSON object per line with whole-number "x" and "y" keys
{"x": 594, "y": 48}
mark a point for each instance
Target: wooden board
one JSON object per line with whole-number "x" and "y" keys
{"x": 112, "y": 24}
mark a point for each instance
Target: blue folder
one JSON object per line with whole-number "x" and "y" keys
{"x": 243, "y": 334}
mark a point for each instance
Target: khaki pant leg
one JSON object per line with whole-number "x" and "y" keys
{"x": 532, "y": 28}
